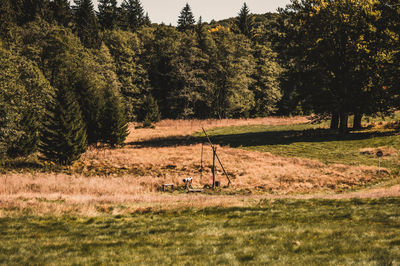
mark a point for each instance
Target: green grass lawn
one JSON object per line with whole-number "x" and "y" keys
{"x": 311, "y": 141}
{"x": 273, "y": 232}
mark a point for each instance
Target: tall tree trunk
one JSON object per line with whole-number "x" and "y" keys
{"x": 335, "y": 120}
{"x": 344, "y": 121}
{"x": 357, "y": 121}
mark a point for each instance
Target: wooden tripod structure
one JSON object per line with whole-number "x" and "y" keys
{"x": 215, "y": 156}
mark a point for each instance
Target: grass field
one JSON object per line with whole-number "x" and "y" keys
{"x": 279, "y": 232}
{"x": 301, "y": 195}
{"x": 315, "y": 142}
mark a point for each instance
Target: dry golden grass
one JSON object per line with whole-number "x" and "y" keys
{"x": 170, "y": 128}
{"x": 129, "y": 179}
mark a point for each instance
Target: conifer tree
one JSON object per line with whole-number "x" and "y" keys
{"x": 27, "y": 142}
{"x": 86, "y": 23}
{"x": 149, "y": 112}
{"x": 31, "y": 9}
{"x": 63, "y": 137}
{"x": 186, "y": 19}
{"x": 147, "y": 21}
{"x": 132, "y": 15}
{"x": 107, "y": 14}
{"x": 245, "y": 21}
{"x": 62, "y": 12}
{"x": 7, "y": 16}
{"x": 114, "y": 128}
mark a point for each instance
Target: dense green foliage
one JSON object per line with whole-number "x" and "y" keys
{"x": 332, "y": 58}
{"x": 63, "y": 136}
{"x": 335, "y": 52}
{"x": 23, "y": 96}
{"x": 295, "y": 232}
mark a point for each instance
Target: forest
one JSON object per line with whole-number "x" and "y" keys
{"x": 72, "y": 75}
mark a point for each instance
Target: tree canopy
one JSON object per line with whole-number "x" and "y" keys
{"x": 331, "y": 58}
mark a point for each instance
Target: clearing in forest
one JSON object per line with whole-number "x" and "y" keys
{"x": 265, "y": 158}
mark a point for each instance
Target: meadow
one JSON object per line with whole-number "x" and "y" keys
{"x": 300, "y": 232}
{"x": 300, "y": 194}
{"x": 132, "y": 176}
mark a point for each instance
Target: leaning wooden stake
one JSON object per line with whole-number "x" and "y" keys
{"x": 201, "y": 163}
{"x": 216, "y": 156}
{"x": 213, "y": 167}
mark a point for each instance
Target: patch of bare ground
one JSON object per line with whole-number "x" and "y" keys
{"x": 129, "y": 179}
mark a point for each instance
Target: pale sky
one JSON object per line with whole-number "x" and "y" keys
{"x": 167, "y": 11}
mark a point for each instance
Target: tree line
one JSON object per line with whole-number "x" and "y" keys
{"x": 71, "y": 76}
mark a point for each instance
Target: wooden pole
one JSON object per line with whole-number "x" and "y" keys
{"x": 212, "y": 146}
{"x": 213, "y": 167}
{"x": 201, "y": 163}
{"x": 223, "y": 169}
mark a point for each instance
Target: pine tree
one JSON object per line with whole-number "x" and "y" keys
{"x": 186, "y": 19}
{"x": 26, "y": 143}
{"x": 86, "y": 23}
{"x": 149, "y": 112}
{"x": 62, "y": 12}
{"x": 107, "y": 14}
{"x": 7, "y": 16}
{"x": 31, "y": 9}
{"x": 63, "y": 137}
{"x": 114, "y": 128}
{"x": 245, "y": 21}
{"x": 147, "y": 21}
{"x": 132, "y": 15}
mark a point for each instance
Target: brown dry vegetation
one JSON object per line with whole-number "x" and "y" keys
{"x": 171, "y": 128}
{"x": 129, "y": 179}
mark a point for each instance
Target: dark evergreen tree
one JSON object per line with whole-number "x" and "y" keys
{"x": 61, "y": 11}
{"x": 186, "y": 19}
{"x": 108, "y": 14}
{"x": 86, "y": 23}
{"x": 132, "y": 14}
{"x": 29, "y": 10}
{"x": 26, "y": 143}
{"x": 164, "y": 48}
{"x": 7, "y": 16}
{"x": 147, "y": 21}
{"x": 149, "y": 112}
{"x": 245, "y": 21}
{"x": 114, "y": 128}
{"x": 63, "y": 137}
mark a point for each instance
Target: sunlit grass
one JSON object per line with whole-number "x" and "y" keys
{"x": 275, "y": 232}
{"x": 313, "y": 141}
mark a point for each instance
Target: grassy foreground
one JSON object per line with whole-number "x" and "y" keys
{"x": 278, "y": 232}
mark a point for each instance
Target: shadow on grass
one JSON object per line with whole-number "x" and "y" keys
{"x": 275, "y": 137}
{"x": 22, "y": 164}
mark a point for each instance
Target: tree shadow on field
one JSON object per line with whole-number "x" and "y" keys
{"x": 265, "y": 138}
